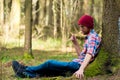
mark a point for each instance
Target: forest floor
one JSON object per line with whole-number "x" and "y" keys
{"x": 41, "y": 54}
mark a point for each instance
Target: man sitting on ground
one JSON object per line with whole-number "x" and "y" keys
{"x": 76, "y": 66}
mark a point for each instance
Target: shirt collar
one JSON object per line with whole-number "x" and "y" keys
{"x": 91, "y": 31}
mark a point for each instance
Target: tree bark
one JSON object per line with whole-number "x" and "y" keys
{"x": 110, "y": 29}
{"x": 110, "y": 34}
{"x": 28, "y": 28}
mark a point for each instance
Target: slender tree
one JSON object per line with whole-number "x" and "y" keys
{"x": 91, "y": 7}
{"x": 6, "y": 27}
{"x": 55, "y": 17}
{"x": 15, "y": 18}
{"x": 28, "y": 28}
{"x": 1, "y": 13}
{"x": 42, "y": 11}
{"x": 48, "y": 19}
{"x": 62, "y": 25}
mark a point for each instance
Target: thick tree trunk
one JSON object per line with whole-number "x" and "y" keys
{"x": 118, "y": 9}
{"x": 28, "y": 28}
{"x": 110, "y": 31}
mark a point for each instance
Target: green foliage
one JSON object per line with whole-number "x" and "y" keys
{"x": 98, "y": 66}
{"x": 5, "y": 59}
{"x": 27, "y": 56}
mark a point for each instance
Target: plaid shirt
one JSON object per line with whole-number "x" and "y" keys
{"x": 91, "y": 44}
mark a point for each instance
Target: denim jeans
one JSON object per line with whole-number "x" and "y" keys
{"x": 52, "y": 68}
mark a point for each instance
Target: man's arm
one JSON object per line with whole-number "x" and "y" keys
{"x": 76, "y": 45}
{"x": 80, "y": 73}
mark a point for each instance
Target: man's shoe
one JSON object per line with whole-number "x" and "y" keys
{"x": 19, "y": 69}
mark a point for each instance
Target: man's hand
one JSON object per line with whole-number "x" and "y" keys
{"x": 76, "y": 45}
{"x": 73, "y": 39}
{"x": 79, "y": 74}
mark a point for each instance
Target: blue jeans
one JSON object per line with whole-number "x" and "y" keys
{"x": 52, "y": 68}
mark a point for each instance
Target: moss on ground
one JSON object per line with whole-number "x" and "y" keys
{"x": 97, "y": 67}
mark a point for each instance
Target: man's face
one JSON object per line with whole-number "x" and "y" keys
{"x": 84, "y": 29}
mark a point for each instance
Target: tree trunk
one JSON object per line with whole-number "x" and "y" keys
{"x": 55, "y": 18}
{"x": 6, "y": 28}
{"x": 91, "y": 7}
{"x": 86, "y": 6}
{"x": 80, "y": 7}
{"x": 28, "y": 28}
{"x": 118, "y": 6}
{"x": 110, "y": 32}
{"x": 63, "y": 25}
{"x": 15, "y": 18}
{"x": 110, "y": 29}
{"x": 42, "y": 12}
{"x": 48, "y": 12}
{"x": 98, "y": 9}
{"x": 1, "y": 14}
{"x": 35, "y": 12}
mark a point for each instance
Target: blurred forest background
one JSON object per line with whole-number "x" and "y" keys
{"x": 28, "y": 25}
{"x": 55, "y": 19}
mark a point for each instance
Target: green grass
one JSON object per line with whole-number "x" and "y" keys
{"x": 49, "y": 49}
{"x": 46, "y": 44}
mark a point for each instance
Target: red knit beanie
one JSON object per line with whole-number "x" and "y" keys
{"x": 87, "y": 21}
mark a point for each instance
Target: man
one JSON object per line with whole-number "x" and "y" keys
{"x": 76, "y": 66}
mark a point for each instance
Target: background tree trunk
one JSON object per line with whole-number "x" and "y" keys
{"x": 6, "y": 27}
{"x": 42, "y": 12}
{"x": 91, "y": 7}
{"x": 15, "y": 18}
{"x": 1, "y": 14}
{"x": 48, "y": 12}
{"x": 55, "y": 18}
{"x": 62, "y": 25}
{"x": 35, "y": 12}
{"x": 28, "y": 28}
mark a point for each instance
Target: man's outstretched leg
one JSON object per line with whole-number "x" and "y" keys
{"x": 51, "y": 67}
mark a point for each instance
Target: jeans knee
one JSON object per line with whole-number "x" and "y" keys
{"x": 48, "y": 62}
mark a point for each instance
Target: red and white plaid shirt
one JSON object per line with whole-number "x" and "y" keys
{"x": 91, "y": 44}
